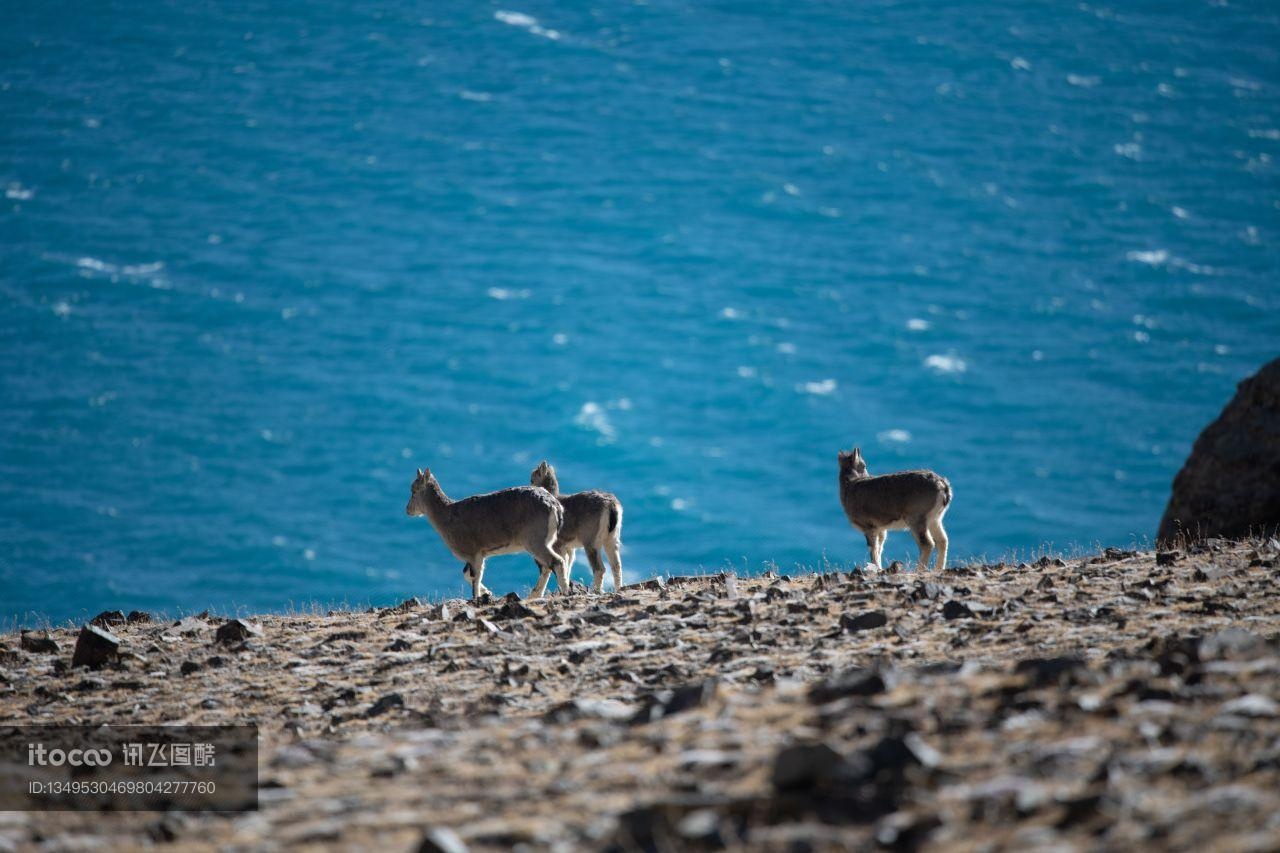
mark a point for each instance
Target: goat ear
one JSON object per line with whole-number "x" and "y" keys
{"x": 857, "y": 453}
{"x": 419, "y": 472}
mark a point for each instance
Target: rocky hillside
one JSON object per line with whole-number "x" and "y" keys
{"x": 1120, "y": 700}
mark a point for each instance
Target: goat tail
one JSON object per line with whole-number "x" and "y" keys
{"x": 946, "y": 491}
{"x": 615, "y": 515}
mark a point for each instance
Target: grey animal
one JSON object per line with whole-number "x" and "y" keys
{"x": 911, "y": 500}
{"x": 592, "y": 520}
{"x": 502, "y": 522}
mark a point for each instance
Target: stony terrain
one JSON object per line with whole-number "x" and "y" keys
{"x": 1108, "y": 702}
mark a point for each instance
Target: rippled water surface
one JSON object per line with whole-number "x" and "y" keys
{"x": 258, "y": 261}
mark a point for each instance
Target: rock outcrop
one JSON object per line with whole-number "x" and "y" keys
{"x": 1230, "y": 485}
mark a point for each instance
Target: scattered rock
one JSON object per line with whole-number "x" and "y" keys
{"x": 1045, "y": 671}
{"x": 666, "y": 703}
{"x": 188, "y": 667}
{"x": 237, "y": 631}
{"x": 441, "y": 840}
{"x": 854, "y": 682}
{"x": 94, "y": 647}
{"x": 136, "y": 616}
{"x": 953, "y": 609}
{"x": 41, "y": 644}
{"x": 385, "y": 704}
{"x": 805, "y": 766}
{"x": 513, "y": 608}
{"x": 108, "y": 618}
{"x": 863, "y": 621}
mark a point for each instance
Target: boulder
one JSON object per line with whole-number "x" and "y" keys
{"x": 1230, "y": 485}
{"x": 236, "y": 631}
{"x": 94, "y": 647}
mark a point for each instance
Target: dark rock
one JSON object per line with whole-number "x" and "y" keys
{"x": 598, "y": 616}
{"x": 385, "y": 704}
{"x": 94, "y": 647}
{"x": 1230, "y": 484}
{"x": 806, "y": 766}
{"x": 863, "y": 621}
{"x": 138, "y": 616}
{"x": 38, "y": 643}
{"x": 1046, "y": 671}
{"x": 188, "y": 667}
{"x": 441, "y": 840}
{"x": 398, "y": 645}
{"x": 236, "y": 631}
{"x": 666, "y": 703}
{"x": 956, "y": 610}
{"x": 926, "y": 591}
{"x": 854, "y": 682}
{"x": 896, "y": 754}
{"x": 107, "y": 618}
{"x": 1167, "y": 558}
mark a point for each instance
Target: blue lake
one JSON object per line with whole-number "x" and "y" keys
{"x": 260, "y": 261}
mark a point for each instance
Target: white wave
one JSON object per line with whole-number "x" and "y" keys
{"x": 1271, "y": 133}
{"x": 896, "y": 436}
{"x": 730, "y": 313}
{"x": 917, "y": 324}
{"x": 946, "y": 364}
{"x": 592, "y": 416}
{"x": 96, "y": 265}
{"x": 1131, "y": 150}
{"x": 559, "y": 339}
{"x": 1020, "y": 64}
{"x": 18, "y": 192}
{"x": 1180, "y": 212}
{"x": 526, "y": 22}
{"x": 1153, "y": 257}
{"x": 503, "y": 293}
{"x": 787, "y": 348}
{"x": 820, "y": 388}
{"x": 1084, "y": 81}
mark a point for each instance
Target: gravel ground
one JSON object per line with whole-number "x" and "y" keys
{"x": 1115, "y": 701}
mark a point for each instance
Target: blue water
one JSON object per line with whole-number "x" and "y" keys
{"x": 258, "y": 261}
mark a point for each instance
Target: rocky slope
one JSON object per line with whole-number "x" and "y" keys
{"x": 1112, "y": 701}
